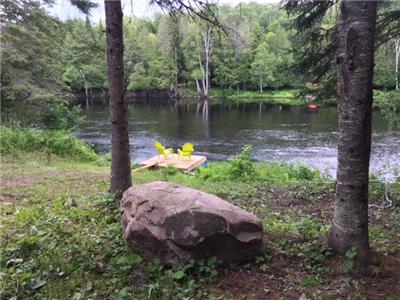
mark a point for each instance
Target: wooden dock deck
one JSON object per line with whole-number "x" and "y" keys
{"x": 184, "y": 164}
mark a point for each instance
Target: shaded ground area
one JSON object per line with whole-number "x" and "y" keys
{"x": 293, "y": 268}
{"x": 62, "y": 239}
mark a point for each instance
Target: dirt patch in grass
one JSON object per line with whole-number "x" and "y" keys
{"x": 252, "y": 284}
{"x": 16, "y": 182}
{"x": 6, "y": 199}
{"x": 285, "y": 280}
{"x": 49, "y": 182}
{"x": 293, "y": 270}
{"x": 301, "y": 203}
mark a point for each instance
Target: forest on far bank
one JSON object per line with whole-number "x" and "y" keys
{"x": 257, "y": 50}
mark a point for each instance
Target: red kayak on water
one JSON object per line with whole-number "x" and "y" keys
{"x": 312, "y": 107}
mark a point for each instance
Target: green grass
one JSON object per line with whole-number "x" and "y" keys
{"x": 385, "y": 101}
{"x": 278, "y": 97}
{"x": 61, "y": 235}
{"x": 265, "y": 94}
{"x": 18, "y": 140}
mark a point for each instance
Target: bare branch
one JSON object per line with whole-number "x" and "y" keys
{"x": 196, "y": 9}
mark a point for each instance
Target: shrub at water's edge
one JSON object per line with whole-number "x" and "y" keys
{"x": 389, "y": 105}
{"x": 18, "y": 140}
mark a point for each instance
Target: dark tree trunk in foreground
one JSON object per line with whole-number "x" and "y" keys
{"x": 120, "y": 157}
{"x": 355, "y": 64}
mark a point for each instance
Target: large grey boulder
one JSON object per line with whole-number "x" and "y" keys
{"x": 176, "y": 223}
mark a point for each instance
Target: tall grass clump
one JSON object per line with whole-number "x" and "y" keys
{"x": 18, "y": 140}
{"x": 242, "y": 168}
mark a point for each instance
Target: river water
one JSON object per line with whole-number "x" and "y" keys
{"x": 284, "y": 134}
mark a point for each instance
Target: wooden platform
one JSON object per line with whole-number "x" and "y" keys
{"x": 184, "y": 164}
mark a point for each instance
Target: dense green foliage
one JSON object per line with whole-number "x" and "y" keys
{"x": 256, "y": 52}
{"x": 315, "y": 43}
{"x": 165, "y": 51}
{"x": 33, "y": 91}
{"x": 19, "y": 140}
{"x": 84, "y": 56}
{"x": 389, "y": 104}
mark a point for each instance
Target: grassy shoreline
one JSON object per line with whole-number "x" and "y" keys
{"x": 278, "y": 97}
{"x": 61, "y": 235}
{"x": 288, "y": 97}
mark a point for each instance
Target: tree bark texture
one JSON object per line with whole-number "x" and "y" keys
{"x": 120, "y": 152}
{"x": 355, "y": 64}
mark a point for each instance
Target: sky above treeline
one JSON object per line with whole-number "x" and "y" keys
{"x": 140, "y": 8}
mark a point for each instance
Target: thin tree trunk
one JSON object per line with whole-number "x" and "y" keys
{"x": 198, "y": 87}
{"x": 355, "y": 64}
{"x": 176, "y": 66}
{"x": 86, "y": 87}
{"x": 397, "y": 62}
{"x": 91, "y": 96}
{"x": 203, "y": 73}
{"x": 120, "y": 153}
{"x": 103, "y": 95}
{"x": 208, "y": 47}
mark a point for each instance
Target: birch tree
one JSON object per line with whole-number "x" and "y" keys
{"x": 205, "y": 58}
{"x": 86, "y": 86}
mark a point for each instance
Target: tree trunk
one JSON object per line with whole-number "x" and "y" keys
{"x": 103, "y": 95}
{"x": 208, "y": 47}
{"x": 203, "y": 76}
{"x": 86, "y": 87}
{"x": 397, "y": 62}
{"x": 176, "y": 65}
{"x": 120, "y": 154}
{"x": 91, "y": 97}
{"x": 87, "y": 97}
{"x": 355, "y": 64}
{"x": 198, "y": 88}
{"x": 208, "y": 44}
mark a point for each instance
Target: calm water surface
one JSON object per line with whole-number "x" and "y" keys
{"x": 285, "y": 134}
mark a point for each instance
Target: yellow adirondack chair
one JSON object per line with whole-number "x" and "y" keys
{"x": 161, "y": 149}
{"x": 187, "y": 150}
